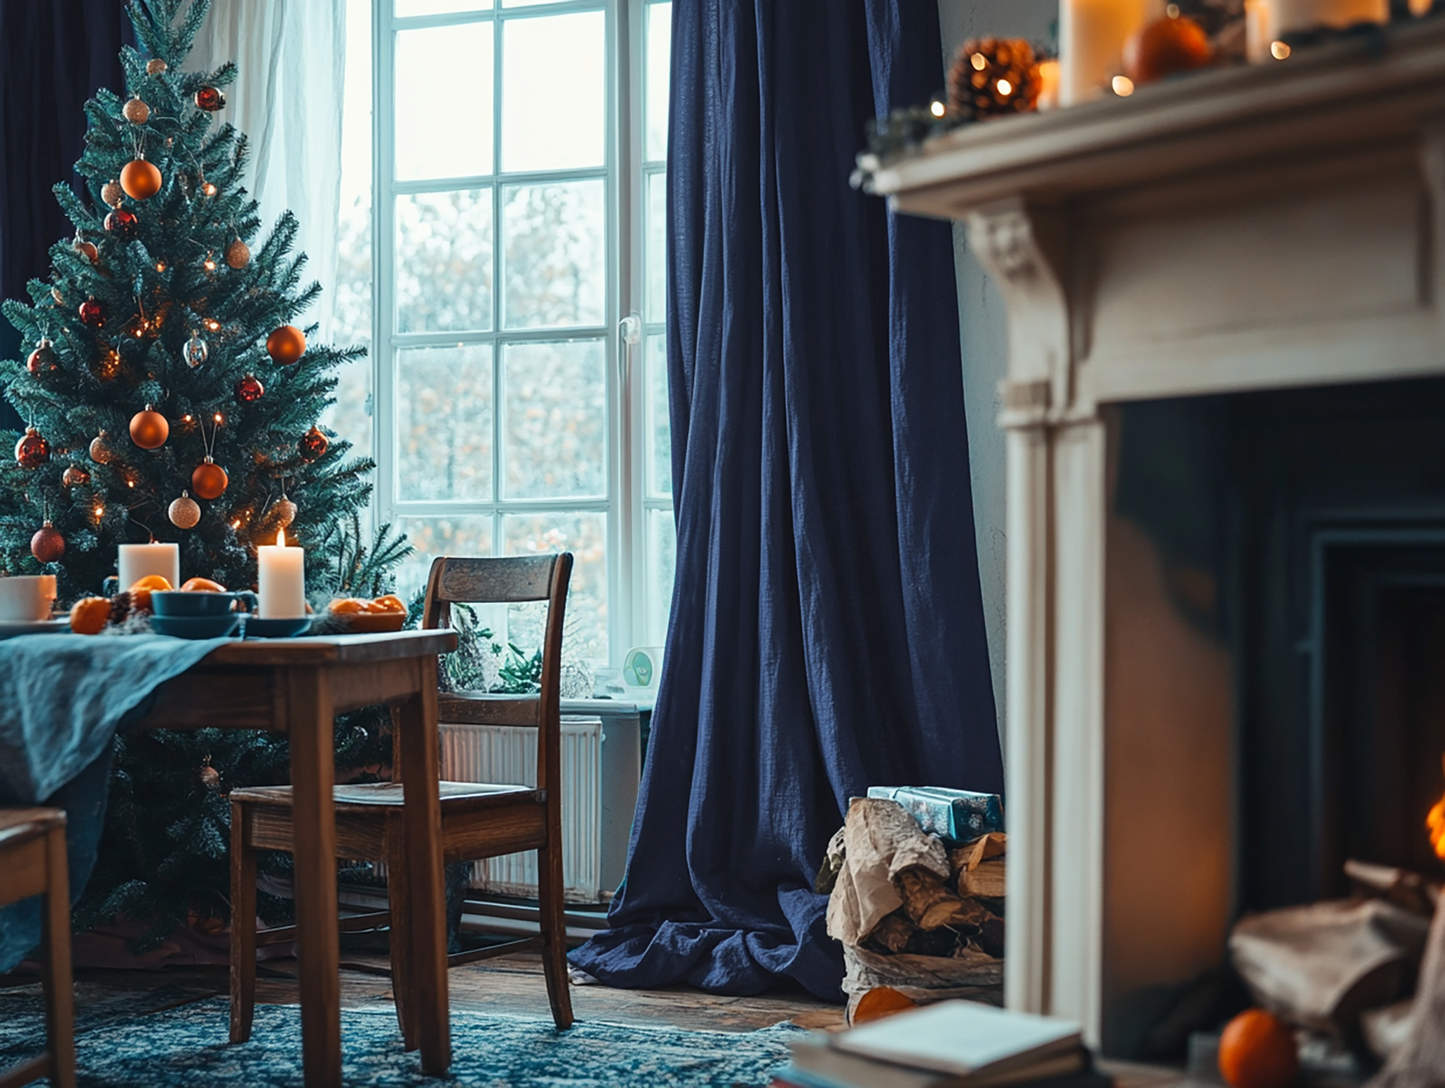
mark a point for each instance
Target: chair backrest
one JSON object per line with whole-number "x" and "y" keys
{"x": 514, "y": 580}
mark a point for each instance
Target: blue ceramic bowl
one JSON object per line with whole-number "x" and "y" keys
{"x": 259, "y": 628}
{"x": 179, "y": 603}
{"x": 196, "y": 626}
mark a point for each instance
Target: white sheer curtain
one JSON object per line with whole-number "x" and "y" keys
{"x": 287, "y": 99}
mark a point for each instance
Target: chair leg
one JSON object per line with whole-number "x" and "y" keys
{"x": 56, "y": 977}
{"x": 399, "y": 938}
{"x": 554, "y": 933}
{"x": 243, "y": 925}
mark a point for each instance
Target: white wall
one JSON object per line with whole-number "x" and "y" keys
{"x": 981, "y": 318}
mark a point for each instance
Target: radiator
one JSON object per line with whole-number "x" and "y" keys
{"x": 508, "y": 754}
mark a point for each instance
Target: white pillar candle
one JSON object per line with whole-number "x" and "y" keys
{"x": 1092, "y": 34}
{"x": 1270, "y": 20}
{"x": 138, "y": 560}
{"x": 281, "y": 580}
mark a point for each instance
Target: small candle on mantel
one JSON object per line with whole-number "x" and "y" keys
{"x": 138, "y": 560}
{"x": 281, "y": 580}
{"x": 1092, "y": 34}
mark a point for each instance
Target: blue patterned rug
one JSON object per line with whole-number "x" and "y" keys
{"x": 123, "y": 1044}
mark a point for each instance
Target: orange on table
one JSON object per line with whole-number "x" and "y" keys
{"x": 1257, "y": 1050}
{"x": 348, "y": 605}
{"x": 89, "y": 615}
{"x": 152, "y": 581}
{"x": 388, "y": 602}
{"x": 202, "y": 585}
{"x": 879, "y": 1002}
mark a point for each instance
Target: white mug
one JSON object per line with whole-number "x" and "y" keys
{"x": 27, "y": 597}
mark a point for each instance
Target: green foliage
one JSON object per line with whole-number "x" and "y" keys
{"x": 163, "y": 853}
{"x": 155, "y": 291}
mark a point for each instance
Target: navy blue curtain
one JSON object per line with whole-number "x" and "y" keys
{"x": 827, "y": 630}
{"x": 53, "y": 56}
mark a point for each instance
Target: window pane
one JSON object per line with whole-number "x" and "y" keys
{"x": 553, "y": 92}
{"x": 444, "y": 102}
{"x": 656, "y": 420}
{"x": 556, "y": 420}
{"x": 444, "y": 261}
{"x": 444, "y": 423}
{"x": 405, "y": 8}
{"x": 659, "y": 63}
{"x": 657, "y": 247}
{"x": 555, "y": 271}
{"x": 585, "y": 536}
{"x": 661, "y": 562}
{"x": 438, "y": 536}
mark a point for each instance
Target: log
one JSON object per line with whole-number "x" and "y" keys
{"x": 927, "y": 902}
{"x": 880, "y": 840}
{"x": 891, "y": 935}
{"x": 985, "y": 879}
{"x": 1419, "y": 1062}
{"x": 1405, "y": 889}
{"x": 970, "y": 854}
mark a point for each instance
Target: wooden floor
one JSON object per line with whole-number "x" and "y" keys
{"x": 512, "y": 985}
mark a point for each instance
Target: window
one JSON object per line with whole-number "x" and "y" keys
{"x": 516, "y": 157}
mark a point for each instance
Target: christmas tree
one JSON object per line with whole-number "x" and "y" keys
{"x": 170, "y": 394}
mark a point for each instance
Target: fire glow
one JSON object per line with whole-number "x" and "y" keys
{"x": 1435, "y": 821}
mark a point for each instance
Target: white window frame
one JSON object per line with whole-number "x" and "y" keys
{"x": 624, "y": 174}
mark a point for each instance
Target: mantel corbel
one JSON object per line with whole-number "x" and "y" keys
{"x": 1024, "y": 247}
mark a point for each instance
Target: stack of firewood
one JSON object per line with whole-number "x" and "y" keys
{"x": 898, "y": 891}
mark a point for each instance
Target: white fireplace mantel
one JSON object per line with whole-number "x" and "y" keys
{"x": 1239, "y": 229}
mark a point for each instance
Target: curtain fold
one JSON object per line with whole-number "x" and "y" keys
{"x": 54, "y": 54}
{"x": 827, "y": 630}
{"x": 287, "y": 100}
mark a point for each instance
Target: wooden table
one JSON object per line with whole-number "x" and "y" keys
{"x": 298, "y": 686}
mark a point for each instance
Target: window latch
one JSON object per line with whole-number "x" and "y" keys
{"x": 629, "y": 335}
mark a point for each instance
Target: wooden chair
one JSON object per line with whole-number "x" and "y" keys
{"x": 478, "y": 820}
{"x": 32, "y": 857}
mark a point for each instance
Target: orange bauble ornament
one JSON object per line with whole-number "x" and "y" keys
{"x": 1164, "y": 47}
{"x": 1257, "y": 1050}
{"x": 149, "y": 429}
{"x": 285, "y": 345}
{"x": 209, "y": 481}
{"x": 140, "y": 179}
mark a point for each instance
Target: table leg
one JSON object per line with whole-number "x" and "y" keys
{"x": 422, "y": 821}
{"x": 313, "y": 772}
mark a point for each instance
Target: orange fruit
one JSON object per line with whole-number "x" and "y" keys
{"x": 344, "y": 606}
{"x": 152, "y": 581}
{"x": 879, "y": 1002}
{"x": 140, "y": 599}
{"x": 1257, "y": 1050}
{"x": 202, "y": 585}
{"x": 89, "y": 615}
{"x": 389, "y": 602}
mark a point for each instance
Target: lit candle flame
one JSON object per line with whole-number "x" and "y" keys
{"x": 1435, "y": 821}
{"x": 280, "y": 538}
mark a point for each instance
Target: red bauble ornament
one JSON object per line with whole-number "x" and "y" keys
{"x": 91, "y": 314}
{"x": 249, "y": 390}
{"x": 1164, "y": 47}
{"x": 313, "y": 445}
{"x": 285, "y": 345}
{"x": 140, "y": 179}
{"x": 122, "y": 223}
{"x": 42, "y": 358}
{"x": 32, "y": 450}
{"x": 85, "y": 249}
{"x": 75, "y": 476}
{"x": 210, "y": 99}
{"x": 209, "y": 481}
{"x": 149, "y": 429}
{"x": 47, "y": 545}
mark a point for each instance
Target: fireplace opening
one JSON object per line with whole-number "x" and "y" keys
{"x": 1299, "y": 535}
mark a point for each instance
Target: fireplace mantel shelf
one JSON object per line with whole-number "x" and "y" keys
{"x": 1318, "y": 101}
{"x": 1268, "y": 227}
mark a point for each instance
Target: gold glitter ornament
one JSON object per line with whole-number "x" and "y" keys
{"x": 112, "y": 193}
{"x": 238, "y": 254}
{"x": 136, "y": 111}
{"x": 184, "y": 512}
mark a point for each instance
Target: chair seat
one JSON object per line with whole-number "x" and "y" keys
{"x": 373, "y": 795}
{"x": 19, "y": 825}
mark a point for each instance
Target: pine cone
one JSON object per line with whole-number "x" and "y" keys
{"x": 120, "y": 607}
{"x": 992, "y": 77}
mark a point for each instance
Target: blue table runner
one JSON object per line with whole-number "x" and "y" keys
{"x": 62, "y": 699}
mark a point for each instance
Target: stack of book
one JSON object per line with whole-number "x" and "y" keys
{"x": 954, "y": 1044}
